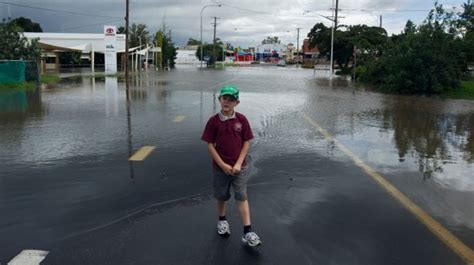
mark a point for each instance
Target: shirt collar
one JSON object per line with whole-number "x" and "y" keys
{"x": 222, "y": 117}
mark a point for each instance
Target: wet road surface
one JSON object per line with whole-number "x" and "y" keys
{"x": 67, "y": 186}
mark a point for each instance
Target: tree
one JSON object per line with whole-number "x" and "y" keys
{"x": 15, "y": 46}
{"x": 467, "y": 16}
{"x": 208, "y": 52}
{"x": 159, "y": 43}
{"x": 27, "y": 25}
{"x": 138, "y": 34}
{"x": 466, "y": 26}
{"x": 427, "y": 59}
{"x": 271, "y": 40}
{"x": 410, "y": 28}
{"x": 228, "y": 46}
{"x": 192, "y": 41}
{"x": 369, "y": 40}
{"x": 168, "y": 50}
{"x": 121, "y": 30}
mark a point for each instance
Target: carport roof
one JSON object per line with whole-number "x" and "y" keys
{"x": 84, "y": 42}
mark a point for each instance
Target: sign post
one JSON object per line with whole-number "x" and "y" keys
{"x": 110, "y": 40}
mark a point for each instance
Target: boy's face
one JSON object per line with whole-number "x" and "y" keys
{"x": 228, "y": 103}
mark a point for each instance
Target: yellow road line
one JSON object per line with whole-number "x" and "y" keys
{"x": 142, "y": 153}
{"x": 179, "y": 118}
{"x": 466, "y": 253}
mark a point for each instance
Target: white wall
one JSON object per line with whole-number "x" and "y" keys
{"x": 186, "y": 57}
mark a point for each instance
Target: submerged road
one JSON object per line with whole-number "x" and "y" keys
{"x": 340, "y": 175}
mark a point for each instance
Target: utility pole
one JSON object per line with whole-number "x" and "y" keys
{"x": 298, "y": 45}
{"x": 332, "y": 36}
{"x": 380, "y": 21}
{"x": 215, "y": 25}
{"x": 126, "y": 43}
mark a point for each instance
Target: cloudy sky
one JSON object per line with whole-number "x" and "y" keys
{"x": 243, "y": 22}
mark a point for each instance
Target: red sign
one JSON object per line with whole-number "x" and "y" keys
{"x": 109, "y": 31}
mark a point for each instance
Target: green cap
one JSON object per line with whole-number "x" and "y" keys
{"x": 229, "y": 90}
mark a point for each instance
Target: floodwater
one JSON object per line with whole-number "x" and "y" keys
{"x": 63, "y": 150}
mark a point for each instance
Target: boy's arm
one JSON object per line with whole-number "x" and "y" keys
{"x": 243, "y": 153}
{"x": 217, "y": 158}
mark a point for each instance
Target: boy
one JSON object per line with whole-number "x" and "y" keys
{"x": 228, "y": 135}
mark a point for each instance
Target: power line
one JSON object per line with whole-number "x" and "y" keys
{"x": 90, "y": 25}
{"x": 343, "y": 10}
{"x": 387, "y": 10}
{"x": 56, "y": 10}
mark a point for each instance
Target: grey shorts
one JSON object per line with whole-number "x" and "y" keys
{"x": 222, "y": 184}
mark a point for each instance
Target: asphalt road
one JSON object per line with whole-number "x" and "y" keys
{"x": 68, "y": 188}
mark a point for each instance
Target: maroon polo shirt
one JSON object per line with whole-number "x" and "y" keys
{"x": 228, "y": 135}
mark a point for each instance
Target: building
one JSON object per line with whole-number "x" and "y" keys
{"x": 91, "y": 46}
{"x": 290, "y": 53}
{"x": 309, "y": 53}
{"x": 243, "y": 57}
{"x": 187, "y": 55}
{"x": 270, "y": 52}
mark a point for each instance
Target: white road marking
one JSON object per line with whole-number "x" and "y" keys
{"x": 29, "y": 257}
{"x": 179, "y": 118}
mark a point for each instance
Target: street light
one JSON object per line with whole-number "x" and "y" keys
{"x": 332, "y": 38}
{"x": 202, "y": 9}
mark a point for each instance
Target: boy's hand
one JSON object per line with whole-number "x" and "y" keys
{"x": 236, "y": 169}
{"x": 228, "y": 170}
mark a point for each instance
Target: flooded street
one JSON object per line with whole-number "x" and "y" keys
{"x": 66, "y": 185}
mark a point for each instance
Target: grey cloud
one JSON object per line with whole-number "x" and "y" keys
{"x": 238, "y": 25}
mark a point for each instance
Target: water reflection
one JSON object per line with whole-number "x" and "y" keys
{"x": 427, "y": 131}
{"x": 18, "y": 105}
{"x": 432, "y": 136}
{"x": 129, "y": 128}
{"x": 111, "y": 98}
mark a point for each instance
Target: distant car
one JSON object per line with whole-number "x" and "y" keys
{"x": 281, "y": 63}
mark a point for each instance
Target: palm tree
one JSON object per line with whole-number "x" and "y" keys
{"x": 138, "y": 35}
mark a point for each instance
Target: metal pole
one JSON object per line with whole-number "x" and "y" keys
{"x": 332, "y": 36}
{"x": 354, "y": 64}
{"x": 214, "y": 42}
{"x": 201, "y": 35}
{"x": 332, "y": 49}
{"x": 126, "y": 44}
{"x": 139, "y": 56}
{"x": 298, "y": 46}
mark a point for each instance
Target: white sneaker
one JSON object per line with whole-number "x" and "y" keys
{"x": 251, "y": 239}
{"x": 223, "y": 228}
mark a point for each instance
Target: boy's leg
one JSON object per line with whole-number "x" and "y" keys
{"x": 240, "y": 193}
{"x": 244, "y": 211}
{"x": 239, "y": 184}
{"x": 221, "y": 184}
{"x": 223, "y": 227}
{"x": 221, "y": 207}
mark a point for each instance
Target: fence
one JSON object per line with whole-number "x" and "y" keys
{"x": 18, "y": 71}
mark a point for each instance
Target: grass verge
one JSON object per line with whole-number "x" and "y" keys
{"x": 30, "y": 86}
{"x": 49, "y": 78}
{"x": 27, "y": 86}
{"x": 465, "y": 92}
